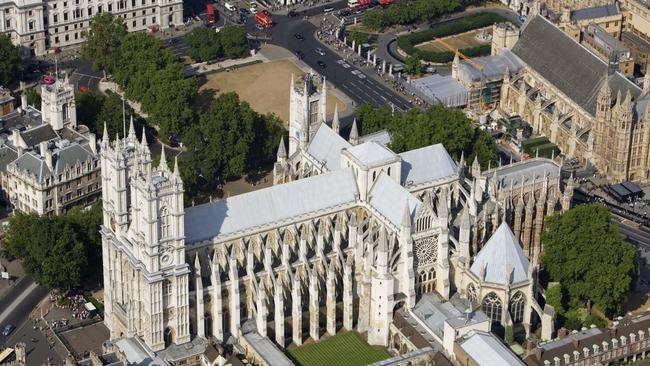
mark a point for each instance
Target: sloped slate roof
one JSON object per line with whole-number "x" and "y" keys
{"x": 595, "y": 12}
{"x": 33, "y": 164}
{"x": 500, "y": 254}
{"x": 573, "y": 69}
{"x": 486, "y": 349}
{"x": 326, "y": 146}
{"x": 70, "y": 155}
{"x": 371, "y": 152}
{"x": 39, "y": 134}
{"x": 426, "y": 164}
{"x": 389, "y": 198}
{"x": 270, "y": 205}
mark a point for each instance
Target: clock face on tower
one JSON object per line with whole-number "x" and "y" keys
{"x": 166, "y": 255}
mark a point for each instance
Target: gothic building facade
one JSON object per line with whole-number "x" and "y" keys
{"x": 350, "y": 233}
{"x": 581, "y": 103}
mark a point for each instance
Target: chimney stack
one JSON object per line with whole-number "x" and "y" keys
{"x": 46, "y": 153}
{"x": 92, "y": 141}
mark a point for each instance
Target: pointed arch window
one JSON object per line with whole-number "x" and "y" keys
{"x": 492, "y": 307}
{"x": 517, "y": 307}
{"x": 165, "y": 223}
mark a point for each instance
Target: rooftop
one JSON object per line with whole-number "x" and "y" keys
{"x": 512, "y": 175}
{"x": 270, "y": 205}
{"x": 267, "y": 350}
{"x": 386, "y": 196}
{"x": 595, "y": 12}
{"x": 443, "y": 89}
{"x": 426, "y": 164}
{"x": 574, "y": 70}
{"x": 326, "y": 147}
{"x": 372, "y": 153}
{"x": 502, "y": 258}
{"x": 485, "y": 349}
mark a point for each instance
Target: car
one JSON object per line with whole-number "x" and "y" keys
{"x": 299, "y": 36}
{"x": 328, "y": 9}
{"x": 8, "y": 329}
{"x": 321, "y": 64}
{"x": 292, "y": 13}
{"x": 300, "y": 54}
{"x": 253, "y": 10}
{"x": 344, "y": 12}
{"x": 259, "y": 26}
{"x": 320, "y": 51}
{"x": 243, "y": 11}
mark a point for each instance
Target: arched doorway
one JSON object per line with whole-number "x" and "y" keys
{"x": 169, "y": 336}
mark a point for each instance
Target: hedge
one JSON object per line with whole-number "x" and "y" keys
{"x": 474, "y": 21}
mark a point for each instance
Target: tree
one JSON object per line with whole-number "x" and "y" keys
{"x": 585, "y": 252}
{"x": 234, "y": 42}
{"x": 203, "y": 44}
{"x": 103, "y": 40}
{"x": 371, "y": 119}
{"x": 229, "y": 139}
{"x": 9, "y": 61}
{"x": 89, "y": 105}
{"x": 59, "y": 252}
{"x": 111, "y": 114}
{"x": 33, "y": 98}
{"x": 555, "y": 298}
{"x": 357, "y": 37}
{"x": 413, "y": 65}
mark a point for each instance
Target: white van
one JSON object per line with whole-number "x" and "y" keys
{"x": 230, "y": 7}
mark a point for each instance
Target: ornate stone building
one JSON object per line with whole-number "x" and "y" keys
{"x": 351, "y": 233}
{"x": 587, "y": 108}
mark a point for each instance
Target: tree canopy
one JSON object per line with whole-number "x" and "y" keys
{"x": 206, "y": 44}
{"x": 584, "y": 251}
{"x": 438, "y": 124}
{"x": 9, "y": 61}
{"x": 103, "y": 40}
{"x": 150, "y": 74}
{"x": 410, "y": 11}
{"x": 229, "y": 138}
{"x": 59, "y": 252}
{"x": 413, "y": 65}
{"x": 93, "y": 110}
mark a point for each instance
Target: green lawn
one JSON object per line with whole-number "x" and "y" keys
{"x": 343, "y": 349}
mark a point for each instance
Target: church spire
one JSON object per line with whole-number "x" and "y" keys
{"x": 282, "y": 151}
{"x": 336, "y": 123}
{"x": 132, "y": 130}
{"x": 354, "y": 133}
{"x": 176, "y": 170}
{"x": 105, "y": 134}
{"x": 163, "y": 160}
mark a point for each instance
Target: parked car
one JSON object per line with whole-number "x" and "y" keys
{"x": 320, "y": 51}
{"x": 8, "y": 329}
{"x": 292, "y": 13}
{"x": 321, "y": 64}
{"x": 300, "y": 54}
{"x": 299, "y": 36}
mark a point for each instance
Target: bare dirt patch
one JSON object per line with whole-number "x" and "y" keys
{"x": 264, "y": 86}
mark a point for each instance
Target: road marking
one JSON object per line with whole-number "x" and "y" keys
{"x": 90, "y": 76}
{"x": 17, "y": 301}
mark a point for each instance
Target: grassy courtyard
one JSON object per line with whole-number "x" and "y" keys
{"x": 343, "y": 349}
{"x": 457, "y": 41}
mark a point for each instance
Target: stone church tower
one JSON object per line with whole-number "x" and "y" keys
{"x": 145, "y": 272}
{"x": 307, "y": 109}
{"x": 58, "y": 105}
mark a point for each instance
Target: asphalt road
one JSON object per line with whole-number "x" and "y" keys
{"x": 15, "y": 308}
{"x": 344, "y": 76}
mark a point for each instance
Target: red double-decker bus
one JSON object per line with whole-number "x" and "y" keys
{"x": 211, "y": 15}
{"x": 264, "y": 19}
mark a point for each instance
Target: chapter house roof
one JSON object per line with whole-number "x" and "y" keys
{"x": 501, "y": 254}
{"x": 270, "y": 205}
{"x": 566, "y": 64}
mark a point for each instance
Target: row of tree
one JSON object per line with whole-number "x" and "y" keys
{"x": 206, "y": 44}
{"x": 417, "y": 128}
{"x": 94, "y": 110}
{"x": 59, "y": 252}
{"x": 146, "y": 70}
{"x": 412, "y": 11}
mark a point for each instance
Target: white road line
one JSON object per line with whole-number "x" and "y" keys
{"x": 90, "y": 76}
{"x": 17, "y": 301}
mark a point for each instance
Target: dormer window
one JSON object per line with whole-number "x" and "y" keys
{"x": 586, "y": 352}
{"x": 605, "y": 346}
{"x": 567, "y": 359}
